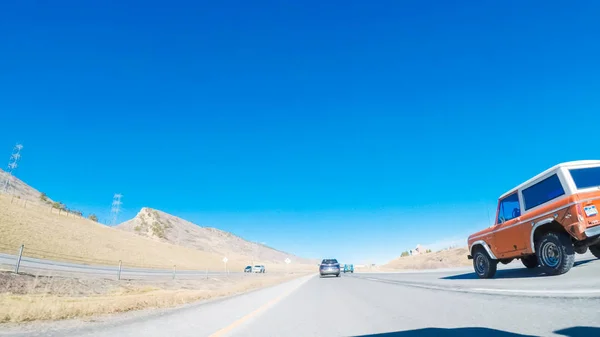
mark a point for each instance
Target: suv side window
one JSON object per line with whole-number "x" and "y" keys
{"x": 509, "y": 208}
{"x": 544, "y": 191}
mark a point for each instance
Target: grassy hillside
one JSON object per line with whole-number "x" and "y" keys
{"x": 46, "y": 234}
{"x": 21, "y": 190}
{"x": 66, "y": 237}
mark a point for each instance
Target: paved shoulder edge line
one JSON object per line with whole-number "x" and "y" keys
{"x": 569, "y": 293}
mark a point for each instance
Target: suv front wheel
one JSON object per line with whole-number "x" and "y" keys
{"x": 555, "y": 253}
{"x": 485, "y": 267}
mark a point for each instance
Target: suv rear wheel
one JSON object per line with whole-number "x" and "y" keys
{"x": 595, "y": 250}
{"x": 485, "y": 267}
{"x": 555, "y": 253}
{"x": 530, "y": 261}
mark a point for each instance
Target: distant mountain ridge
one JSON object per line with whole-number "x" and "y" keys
{"x": 162, "y": 226}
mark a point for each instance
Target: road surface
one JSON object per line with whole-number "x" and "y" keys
{"x": 521, "y": 303}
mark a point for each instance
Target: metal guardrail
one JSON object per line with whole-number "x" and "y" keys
{"x": 21, "y": 263}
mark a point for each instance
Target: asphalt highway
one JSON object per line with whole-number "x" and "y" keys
{"x": 512, "y": 279}
{"x": 518, "y": 302}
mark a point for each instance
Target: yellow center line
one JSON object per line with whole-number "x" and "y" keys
{"x": 260, "y": 309}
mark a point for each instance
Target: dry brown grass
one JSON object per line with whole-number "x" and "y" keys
{"x": 456, "y": 257}
{"x": 65, "y": 237}
{"x": 47, "y": 299}
{"x": 58, "y": 237}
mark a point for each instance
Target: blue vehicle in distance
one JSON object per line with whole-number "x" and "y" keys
{"x": 348, "y": 268}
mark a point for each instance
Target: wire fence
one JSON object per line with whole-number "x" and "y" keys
{"x": 48, "y": 207}
{"x": 58, "y": 257}
{"x": 30, "y": 260}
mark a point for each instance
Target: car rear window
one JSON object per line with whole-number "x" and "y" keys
{"x": 329, "y": 261}
{"x": 542, "y": 192}
{"x": 586, "y": 177}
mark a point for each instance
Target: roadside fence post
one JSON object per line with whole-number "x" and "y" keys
{"x": 19, "y": 259}
{"x": 207, "y": 273}
{"x": 119, "y": 274}
{"x": 173, "y": 271}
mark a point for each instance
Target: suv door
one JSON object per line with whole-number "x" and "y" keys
{"x": 508, "y": 237}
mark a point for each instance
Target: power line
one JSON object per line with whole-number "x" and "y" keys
{"x": 12, "y": 165}
{"x": 116, "y": 208}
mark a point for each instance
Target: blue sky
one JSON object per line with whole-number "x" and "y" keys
{"x": 345, "y": 128}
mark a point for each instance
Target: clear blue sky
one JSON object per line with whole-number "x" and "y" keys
{"x": 324, "y": 128}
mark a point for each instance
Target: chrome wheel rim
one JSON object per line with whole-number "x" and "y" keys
{"x": 481, "y": 264}
{"x": 551, "y": 255}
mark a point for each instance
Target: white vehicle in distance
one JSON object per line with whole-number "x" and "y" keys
{"x": 258, "y": 269}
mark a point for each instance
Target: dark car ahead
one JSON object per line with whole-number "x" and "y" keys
{"x": 329, "y": 267}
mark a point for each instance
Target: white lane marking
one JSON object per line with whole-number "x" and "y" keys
{"x": 240, "y": 321}
{"x": 492, "y": 290}
{"x": 533, "y": 291}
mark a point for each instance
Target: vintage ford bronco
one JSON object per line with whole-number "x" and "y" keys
{"x": 544, "y": 221}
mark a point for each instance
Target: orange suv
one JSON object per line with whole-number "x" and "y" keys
{"x": 544, "y": 221}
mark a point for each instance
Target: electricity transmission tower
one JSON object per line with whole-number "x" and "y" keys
{"x": 254, "y": 252}
{"x": 12, "y": 165}
{"x": 116, "y": 208}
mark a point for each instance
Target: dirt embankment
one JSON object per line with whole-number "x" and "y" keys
{"x": 456, "y": 257}
{"x": 28, "y": 298}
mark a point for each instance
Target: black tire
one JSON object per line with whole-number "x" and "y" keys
{"x": 338, "y": 275}
{"x": 483, "y": 264}
{"x": 555, "y": 253}
{"x": 595, "y": 250}
{"x": 530, "y": 261}
{"x": 506, "y": 261}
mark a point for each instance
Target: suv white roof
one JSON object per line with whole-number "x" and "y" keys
{"x": 568, "y": 164}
